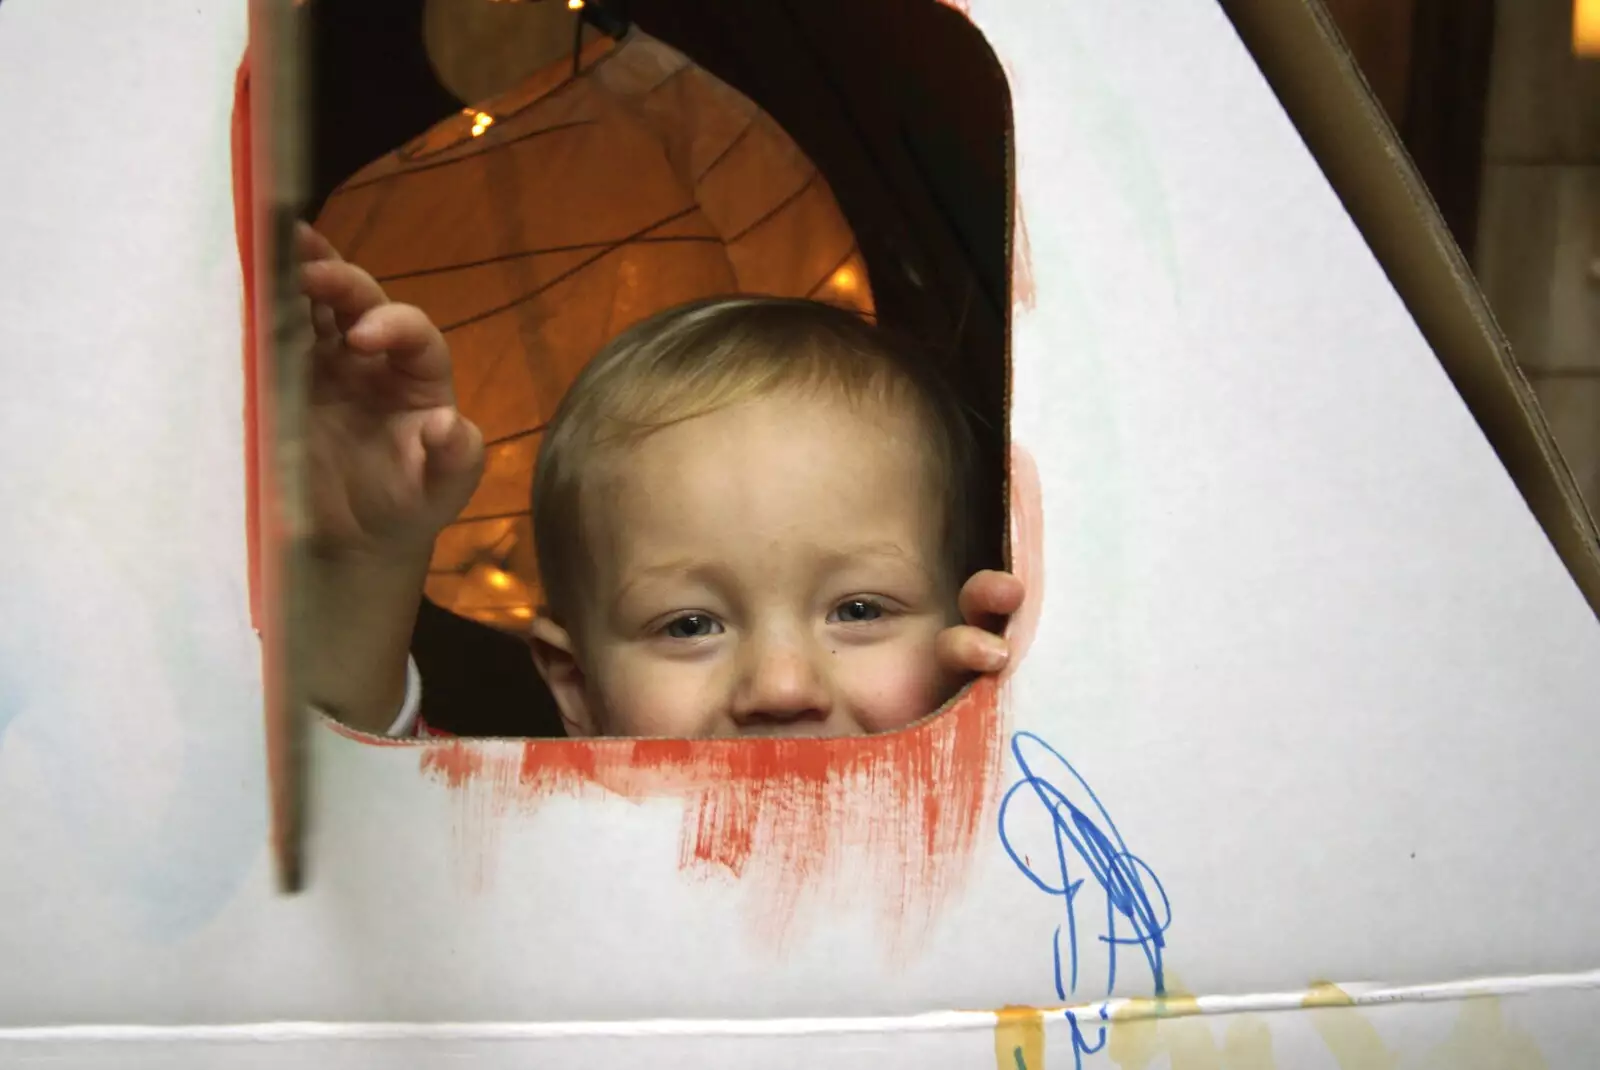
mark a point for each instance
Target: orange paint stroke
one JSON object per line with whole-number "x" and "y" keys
{"x": 252, "y": 177}
{"x": 282, "y": 797}
{"x": 1027, "y": 552}
{"x": 244, "y": 232}
{"x": 1023, "y": 293}
{"x": 780, "y": 814}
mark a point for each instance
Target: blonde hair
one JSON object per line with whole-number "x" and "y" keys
{"x": 696, "y": 358}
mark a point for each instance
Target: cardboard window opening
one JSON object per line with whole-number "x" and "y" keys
{"x": 585, "y": 204}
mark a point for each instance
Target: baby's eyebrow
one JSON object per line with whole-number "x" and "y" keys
{"x": 697, "y": 568}
{"x": 885, "y": 548}
{"x": 893, "y": 551}
{"x": 713, "y": 572}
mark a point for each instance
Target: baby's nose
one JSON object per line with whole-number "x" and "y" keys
{"x": 780, "y": 683}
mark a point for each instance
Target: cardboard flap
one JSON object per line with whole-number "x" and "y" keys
{"x": 1299, "y": 50}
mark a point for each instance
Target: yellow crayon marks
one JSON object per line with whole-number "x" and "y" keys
{"x": 1019, "y": 1039}
{"x": 1482, "y": 1039}
{"x": 1143, "y": 1031}
{"x": 1247, "y": 1045}
{"x": 1351, "y": 1039}
{"x": 1326, "y": 994}
{"x": 1136, "y": 1038}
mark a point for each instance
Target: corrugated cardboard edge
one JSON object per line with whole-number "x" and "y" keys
{"x": 1299, "y": 50}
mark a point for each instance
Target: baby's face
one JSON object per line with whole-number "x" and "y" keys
{"x": 773, "y": 568}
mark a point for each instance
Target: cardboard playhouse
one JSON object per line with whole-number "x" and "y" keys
{"x": 1295, "y": 769}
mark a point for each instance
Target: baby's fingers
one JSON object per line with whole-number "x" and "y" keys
{"x": 454, "y": 448}
{"x": 346, "y": 289}
{"x": 964, "y": 650}
{"x": 417, "y": 351}
{"x": 989, "y": 597}
{"x": 310, "y": 244}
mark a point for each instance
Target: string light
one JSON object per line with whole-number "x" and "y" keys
{"x": 481, "y": 121}
{"x": 499, "y": 579}
{"x": 845, "y": 279}
{"x": 575, "y": 5}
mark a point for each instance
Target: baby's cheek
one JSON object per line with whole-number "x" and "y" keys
{"x": 890, "y": 685}
{"x": 645, "y": 696}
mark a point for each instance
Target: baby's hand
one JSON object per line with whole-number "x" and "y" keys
{"x": 987, "y": 600}
{"x": 391, "y": 461}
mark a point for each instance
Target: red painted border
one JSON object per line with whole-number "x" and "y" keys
{"x": 264, "y": 523}
{"x": 244, "y": 232}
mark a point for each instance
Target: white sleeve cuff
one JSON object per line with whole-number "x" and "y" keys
{"x": 405, "y": 724}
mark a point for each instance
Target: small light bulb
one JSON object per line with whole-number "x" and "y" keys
{"x": 499, "y": 580}
{"x": 575, "y": 5}
{"x": 844, "y": 279}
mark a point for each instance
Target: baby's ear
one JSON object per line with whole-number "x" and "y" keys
{"x": 557, "y": 661}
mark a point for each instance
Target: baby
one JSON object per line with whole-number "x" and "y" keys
{"x": 750, "y": 517}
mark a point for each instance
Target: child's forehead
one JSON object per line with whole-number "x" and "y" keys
{"x": 802, "y": 478}
{"x": 787, "y": 419}
{"x": 877, "y": 400}
{"x": 815, "y": 444}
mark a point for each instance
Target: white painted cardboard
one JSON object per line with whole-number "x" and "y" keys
{"x": 1295, "y": 625}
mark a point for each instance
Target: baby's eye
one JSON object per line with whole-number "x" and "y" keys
{"x": 693, "y": 626}
{"x": 855, "y": 611}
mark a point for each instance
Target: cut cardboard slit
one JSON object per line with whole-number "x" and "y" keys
{"x": 1294, "y": 770}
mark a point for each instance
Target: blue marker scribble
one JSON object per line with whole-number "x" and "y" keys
{"x": 1081, "y": 1047}
{"x": 1086, "y": 845}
